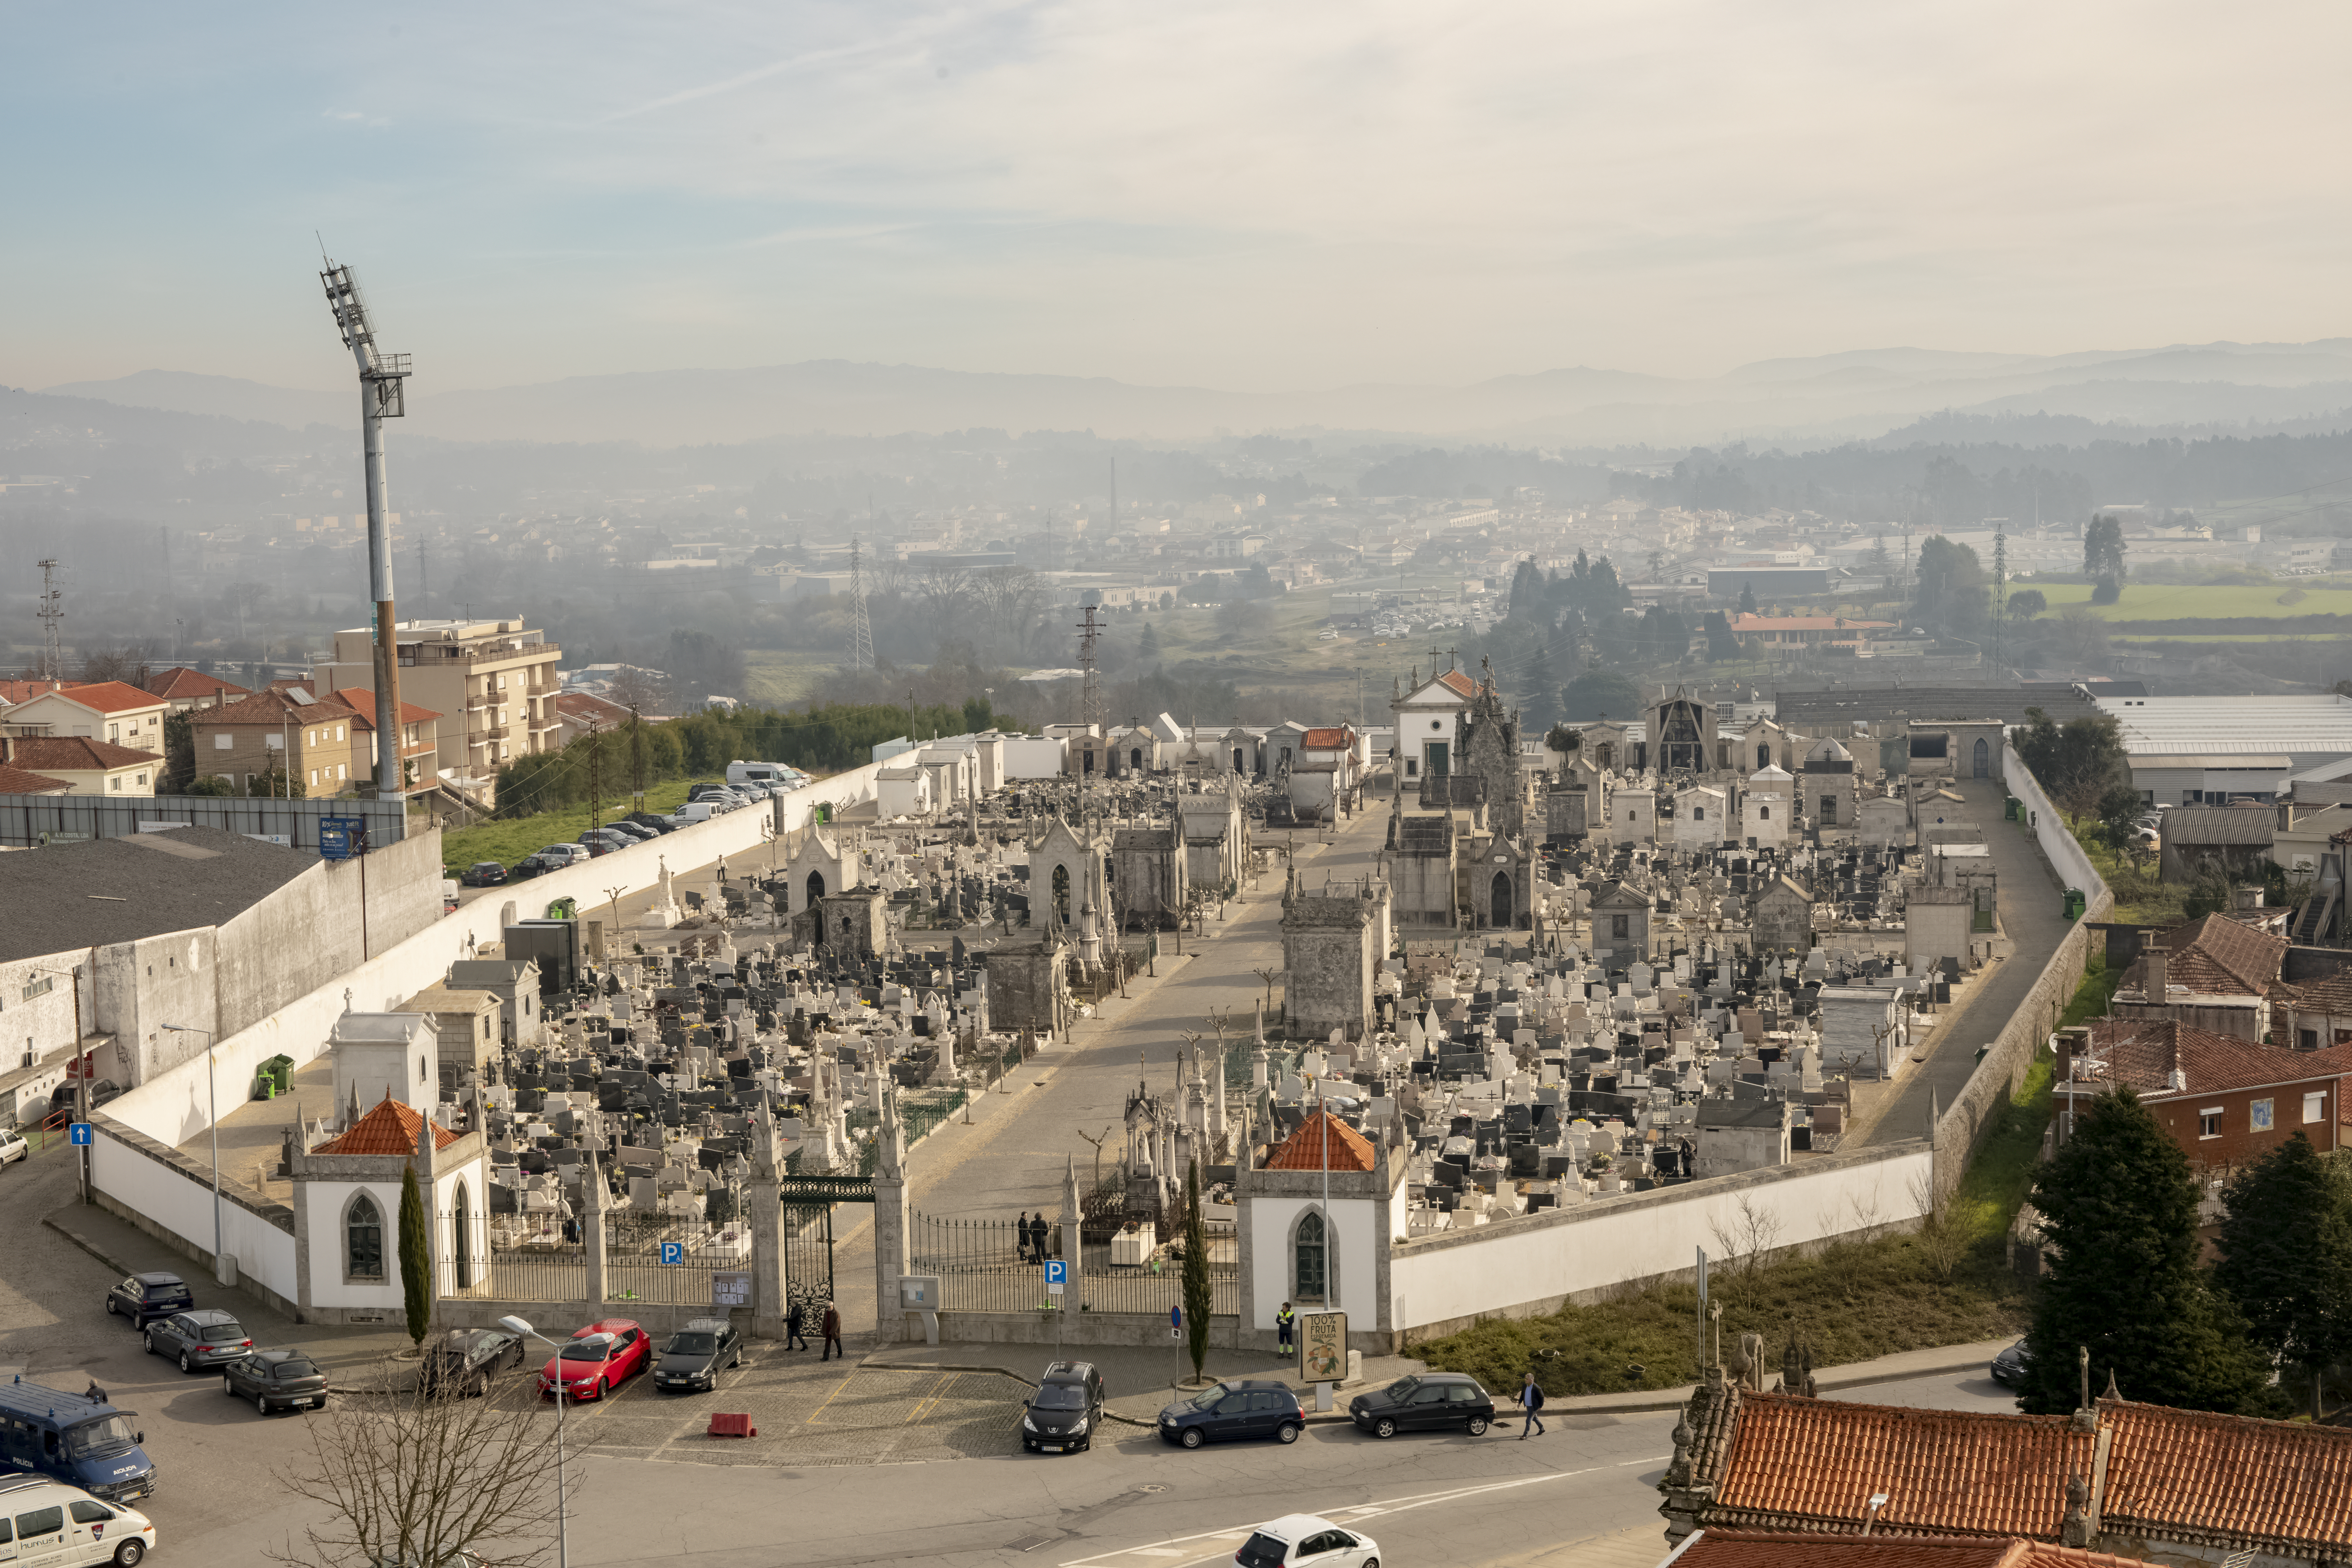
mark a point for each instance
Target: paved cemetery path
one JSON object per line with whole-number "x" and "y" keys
{"x": 2033, "y": 925}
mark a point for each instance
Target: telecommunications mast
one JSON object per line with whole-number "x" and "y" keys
{"x": 382, "y": 379}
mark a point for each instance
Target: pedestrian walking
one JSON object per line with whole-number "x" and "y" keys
{"x": 722, "y": 870}
{"x": 1037, "y": 1228}
{"x": 833, "y": 1334}
{"x": 1284, "y": 1321}
{"x": 796, "y": 1327}
{"x": 1531, "y": 1401}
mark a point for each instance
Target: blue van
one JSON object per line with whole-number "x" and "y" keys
{"x": 73, "y": 1439}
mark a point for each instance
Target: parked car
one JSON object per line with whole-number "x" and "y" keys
{"x": 531, "y": 866}
{"x": 1298, "y": 1538}
{"x": 563, "y": 854}
{"x": 1423, "y": 1404}
{"x": 280, "y": 1379}
{"x": 1064, "y": 1411}
{"x": 13, "y": 1148}
{"x": 696, "y": 1353}
{"x": 2012, "y": 1366}
{"x": 484, "y": 874}
{"x": 647, "y": 819}
{"x": 704, "y": 791}
{"x": 143, "y": 1298}
{"x": 597, "y": 1359}
{"x": 1237, "y": 1407}
{"x": 206, "y": 1337}
{"x": 604, "y": 841}
{"x": 57, "y": 1523}
{"x": 692, "y": 811}
{"x": 466, "y": 1361}
{"x": 67, "y": 1096}
{"x": 635, "y": 830}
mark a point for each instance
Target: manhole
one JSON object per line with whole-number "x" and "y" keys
{"x": 1152, "y": 1487}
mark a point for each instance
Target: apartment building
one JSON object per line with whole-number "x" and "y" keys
{"x": 317, "y": 743}
{"x": 112, "y": 711}
{"x": 489, "y": 681}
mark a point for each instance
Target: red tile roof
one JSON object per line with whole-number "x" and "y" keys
{"x": 270, "y": 710}
{"x": 361, "y": 699}
{"x": 14, "y": 691}
{"x": 588, "y": 705}
{"x": 2145, "y": 1053}
{"x": 19, "y": 781}
{"x": 1459, "y": 682}
{"x": 111, "y": 697}
{"x": 389, "y": 1128}
{"x": 1794, "y": 1463}
{"x": 1775, "y": 1549}
{"x": 2228, "y": 1481}
{"x": 1303, "y": 1149}
{"x": 182, "y": 684}
{"x": 2220, "y": 957}
{"x": 1331, "y": 738}
{"x": 74, "y": 753}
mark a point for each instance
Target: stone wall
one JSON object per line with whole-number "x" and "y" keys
{"x": 1330, "y": 955}
{"x": 1024, "y": 985}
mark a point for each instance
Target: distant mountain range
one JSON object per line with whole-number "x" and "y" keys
{"x": 1830, "y": 398}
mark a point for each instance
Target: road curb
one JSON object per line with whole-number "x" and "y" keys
{"x": 87, "y": 1245}
{"x": 1830, "y": 1383}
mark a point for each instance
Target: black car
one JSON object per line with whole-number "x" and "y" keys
{"x": 280, "y": 1379}
{"x": 1064, "y": 1411}
{"x": 694, "y": 1354}
{"x": 2012, "y": 1366}
{"x": 206, "y": 1337}
{"x": 1237, "y": 1407}
{"x": 143, "y": 1298}
{"x": 1435, "y": 1400}
{"x": 659, "y": 825}
{"x": 484, "y": 874}
{"x": 530, "y": 866}
{"x": 465, "y": 1361}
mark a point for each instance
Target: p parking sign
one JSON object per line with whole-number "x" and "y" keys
{"x": 1057, "y": 1276}
{"x": 673, "y": 1252}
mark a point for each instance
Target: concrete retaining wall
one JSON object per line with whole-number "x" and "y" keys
{"x": 1526, "y": 1267}
{"x": 168, "y": 1196}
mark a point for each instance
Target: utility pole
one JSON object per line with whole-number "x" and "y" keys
{"x": 595, "y": 777}
{"x": 637, "y": 764}
{"x": 384, "y": 378}
{"x": 420, "y": 579}
{"x": 910, "y": 715}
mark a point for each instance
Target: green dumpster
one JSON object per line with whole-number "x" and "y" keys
{"x": 2076, "y": 903}
{"x": 2009, "y": 809}
{"x": 279, "y": 1070}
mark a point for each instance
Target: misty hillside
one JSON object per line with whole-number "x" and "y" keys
{"x": 1793, "y": 403}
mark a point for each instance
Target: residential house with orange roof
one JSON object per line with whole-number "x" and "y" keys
{"x": 14, "y": 780}
{"x": 2145, "y": 1481}
{"x": 577, "y": 712}
{"x": 184, "y": 689}
{"x": 315, "y": 742}
{"x": 86, "y": 766}
{"x": 2224, "y": 1100}
{"x": 114, "y": 712}
{"x": 420, "y": 741}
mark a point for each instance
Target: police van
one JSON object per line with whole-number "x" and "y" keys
{"x": 46, "y": 1522}
{"x": 73, "y": 1439}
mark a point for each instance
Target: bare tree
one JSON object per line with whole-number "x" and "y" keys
{"x": 1943, "y": 1242}
{"x": 647, "y": 690}
{"x": 890, "y": 574}
{"x": 407, "y": 1476}
{"x": 1745, "y": 1235}
{"x": 944, "y": 590}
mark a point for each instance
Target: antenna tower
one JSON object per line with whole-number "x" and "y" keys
{"x": 1090, "y": 701}
{"x": 52, "y": 615}
{"x": 861, "y": 635}
{"x": 383, "y": 381}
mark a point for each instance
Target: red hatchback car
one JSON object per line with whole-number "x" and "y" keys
{"x": 598, "y": 1359}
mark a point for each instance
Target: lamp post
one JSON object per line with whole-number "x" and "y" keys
{"x": 516, "y": 1326}
{"x": 211, "y": 1106}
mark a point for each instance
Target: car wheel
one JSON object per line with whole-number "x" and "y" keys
{"x": 481, "y": 1387}
{"x": 111, "y": 1309}
{"x": 186, "y": 1364}
{"x": 227, "y": 1387}
{"x": 1477, "y": 1425}
{"x": 1286, "y": 1433}
{"x": 261, "y": 1404}
{"x": 150, "y": 1346}
{"x": 1372, "y": 1563}
{"x": 1384, "y": 1428}
{"x": 129, "y": 1552}
{"x": 1192, "y": 1438}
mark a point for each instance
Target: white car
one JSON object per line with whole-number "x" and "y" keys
{"x": 13, "y": 1148}
{"x": 56, "y": 1523}
{"x": 1298, "y": 1540}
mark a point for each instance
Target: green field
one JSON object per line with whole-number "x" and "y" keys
{"x": 508, "y": 842}
{"x": 2176, "y": 601}
{"x": 780, "y": 677}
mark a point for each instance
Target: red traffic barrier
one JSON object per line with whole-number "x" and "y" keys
{"x": 723, "y": 1426}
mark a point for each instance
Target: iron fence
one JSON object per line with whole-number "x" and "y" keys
{"x": 1157, "y": 1284}
{"x": 669, "y": 1258}
{"x": 984, "y": 1264}
{"x": 808, "y": 1261}
{"x": 535, "y": 1256}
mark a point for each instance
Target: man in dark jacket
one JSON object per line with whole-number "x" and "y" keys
{"x": 1531, "y": 1401}
{"x": 1037, "y": 1228}
{"x": 833, "y": 1334}
{"x": 796, "y": 1327}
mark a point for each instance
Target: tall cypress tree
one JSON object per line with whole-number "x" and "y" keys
{"x": 2286, "y": 1259}
{"x": 1196, "y": 1272}
{"x": 415, "y": 1258}
{"x": 2120, "y": 1210}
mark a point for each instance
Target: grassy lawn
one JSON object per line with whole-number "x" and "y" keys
{"x": 1852, "y": 1301}
{"x": 508, "y": 842}
{"x": 782, "y": 676}
{"x": 2176, "y": 601}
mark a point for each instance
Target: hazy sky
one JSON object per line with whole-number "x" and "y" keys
{"x": 1245, "y": 196}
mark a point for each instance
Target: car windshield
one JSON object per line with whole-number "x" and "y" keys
{"x": 297, "y": 1369}
{"x": 1401, "y": 1387}
{"x": 1207, "y": 1399}
{"x": 221, "y": 1333}
{"x": 587, "y": 1350}
{"x": 692, "y": 1344}
{"x": 1061, "y": 1397}
{"x": 109, "y": 1435}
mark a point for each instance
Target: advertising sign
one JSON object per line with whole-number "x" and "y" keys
{"x": 1322, "y": 1347}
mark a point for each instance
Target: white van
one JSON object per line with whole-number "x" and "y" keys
{"x": 693, "y": 811}
{"x": 754, "y": 773}
{"x": 53, "y": 1522}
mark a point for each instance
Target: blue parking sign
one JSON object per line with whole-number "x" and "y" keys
{"x": 80, "y": 1130}
{"x": 1057, "y": 1272}
{"x": 673, "y": 1252}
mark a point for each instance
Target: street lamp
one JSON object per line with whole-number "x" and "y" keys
{"x": 212, "y": 1105}
{"x": 516, "y": 1326}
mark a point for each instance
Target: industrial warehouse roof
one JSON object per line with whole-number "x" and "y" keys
{"x": 2308, "y": 729}
{"x": 63, "y": 897}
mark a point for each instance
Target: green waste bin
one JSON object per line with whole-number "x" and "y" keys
{"x": 279, "y": 1070}
{"x": 2009, "y": 809}
{"x": 2076, "y": 903}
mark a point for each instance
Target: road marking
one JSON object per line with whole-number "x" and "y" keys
{"x": 1352, "y": 1513}
{"x": 930, "y": 1401}
{"x": 811, "y": 1420}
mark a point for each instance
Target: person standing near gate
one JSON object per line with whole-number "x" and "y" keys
{"x": 1531, "y": 1401}
{"x": 796, "y": 1327}
{"x": 1037, "y": 1236}
{"x": 1020, "y": 1235}
{"x": 1284, "y": 1322}
{"x": 833, "y": 1334}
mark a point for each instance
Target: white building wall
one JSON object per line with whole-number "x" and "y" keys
{"x": 1356, "y": 1222}
{"x": 1030, "y": 757}
{"x": 185, "y": 1206}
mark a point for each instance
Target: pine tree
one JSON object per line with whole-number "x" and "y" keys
{"x": 1197, "y": 1302}
{"x": 2119, "y": 1208}
{"x": 1147, "y": 651}
{"x": 2286, "y": 1258}
{"x": 415, "y": 1258}
{"x": 1746, "y": 598}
